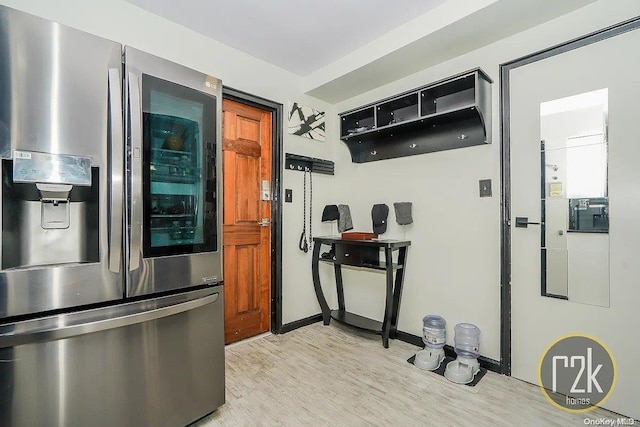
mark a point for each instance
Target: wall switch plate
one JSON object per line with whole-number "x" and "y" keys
{"x": 485, "y": 188}
{"x": 288, "y": 195}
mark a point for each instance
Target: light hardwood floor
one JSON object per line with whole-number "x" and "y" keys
{"x": 335, "y": 376}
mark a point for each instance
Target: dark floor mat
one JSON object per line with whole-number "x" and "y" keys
{"x": 443, "y": 366}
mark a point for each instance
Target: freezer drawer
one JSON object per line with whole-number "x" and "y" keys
{"x": 158, "y": 362}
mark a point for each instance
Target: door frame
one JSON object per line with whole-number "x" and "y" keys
{"x": 505, "y": 171}
{"x": 277, "y": 130}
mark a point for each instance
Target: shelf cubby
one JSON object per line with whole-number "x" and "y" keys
{"x": 358, "y": 122}
{"x": 450, "y": 96}
{"x": 398, "y": 110}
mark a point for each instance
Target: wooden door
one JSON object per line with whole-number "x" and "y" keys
{"x": 247, "y": 220}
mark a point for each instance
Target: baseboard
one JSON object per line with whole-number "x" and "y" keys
{"x": 410, "y": 338}
{"x": 485, "y": 362}
{"x": 288, "y": 327}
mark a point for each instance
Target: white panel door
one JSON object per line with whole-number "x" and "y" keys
{"x": 537, "y": 321}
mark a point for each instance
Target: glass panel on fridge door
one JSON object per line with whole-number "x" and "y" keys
{"x": 178, "y": 165}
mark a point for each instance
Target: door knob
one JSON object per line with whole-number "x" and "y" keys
{"x": 523, "y": 222}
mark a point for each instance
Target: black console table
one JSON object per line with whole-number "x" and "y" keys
{"x": 365, "y": 254}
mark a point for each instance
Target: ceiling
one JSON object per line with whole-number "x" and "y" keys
{"x": 465, "y": 33}
{"x": 298, "y": 35}
{"x": 341, "y": 48}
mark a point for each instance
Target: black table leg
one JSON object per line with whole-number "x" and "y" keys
{"x": 337, "y": 268}
{"x": 388, "y": 307}
{"x": 397, "y": 291}
{"x": 326, "y": 313}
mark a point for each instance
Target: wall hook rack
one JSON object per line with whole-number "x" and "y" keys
{"x": 300, "y": 163}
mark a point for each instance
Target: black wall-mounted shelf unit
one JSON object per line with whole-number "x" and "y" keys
{"x": 451, "y": 113}
{"x": 300, "y": 163}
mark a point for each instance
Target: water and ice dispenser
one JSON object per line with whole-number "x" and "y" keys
{"x": 50, "y": 212}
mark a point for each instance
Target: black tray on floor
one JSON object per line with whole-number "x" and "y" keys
{"x": 443, "y": 366}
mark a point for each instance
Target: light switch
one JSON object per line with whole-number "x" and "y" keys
{"x": 485, "y": 188}
{"x": 288, "y": 195}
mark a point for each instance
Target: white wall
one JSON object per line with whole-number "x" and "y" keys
{"x": 122, "y": 22}
{"x": 454, "y": 262}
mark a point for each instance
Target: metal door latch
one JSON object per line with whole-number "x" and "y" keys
{"x": 265, "y": 191}
{"x": 523, "y": 222}
{"x": 265, "y": 222}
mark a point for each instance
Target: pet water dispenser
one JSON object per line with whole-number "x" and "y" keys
{"x": 434, "y": 338}
{"x": 467, "y": 346}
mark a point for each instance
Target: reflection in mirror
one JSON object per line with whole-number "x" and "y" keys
{"x": 575, "y": 203}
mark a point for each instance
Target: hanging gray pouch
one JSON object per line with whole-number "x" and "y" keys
{"x": 403, "y": 213}
{"x": 344, "y": 220}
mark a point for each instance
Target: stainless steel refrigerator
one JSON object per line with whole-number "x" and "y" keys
{"x": 111, "y": 298}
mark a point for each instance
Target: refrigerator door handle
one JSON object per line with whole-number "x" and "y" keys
{"x": 117, "y": 147}
{"x": 62, "y": 329}
{"x": 135, "y": 123}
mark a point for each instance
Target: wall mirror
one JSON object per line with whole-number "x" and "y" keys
{"x": 575, "y": 204}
